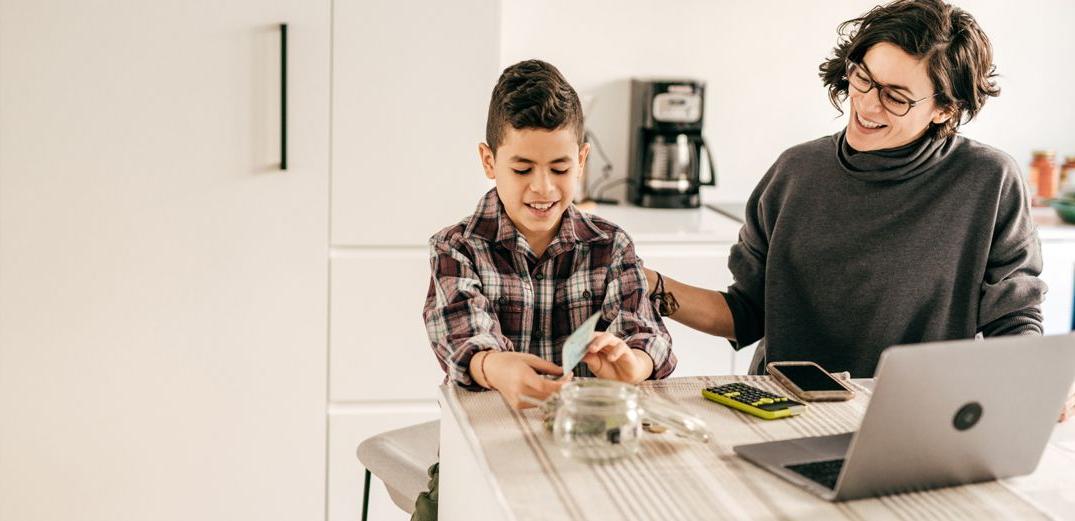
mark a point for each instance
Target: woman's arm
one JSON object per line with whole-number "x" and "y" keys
{"x": 1011, "y": 290}
{"x": 699, "y": 308}
{"x": 632, "y": 318}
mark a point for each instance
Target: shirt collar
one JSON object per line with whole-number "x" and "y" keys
{"x": 491, "y": 223}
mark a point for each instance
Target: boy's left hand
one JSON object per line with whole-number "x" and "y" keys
{"x": 609, "y": 357}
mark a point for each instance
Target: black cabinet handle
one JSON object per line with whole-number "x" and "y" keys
{"x": 283, "y": 96}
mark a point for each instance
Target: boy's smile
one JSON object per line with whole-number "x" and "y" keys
{"x": 541, "y": 209}
{"x": 536, "y": 173}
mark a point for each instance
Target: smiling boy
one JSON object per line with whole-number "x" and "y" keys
{"x": 513, "y": 280}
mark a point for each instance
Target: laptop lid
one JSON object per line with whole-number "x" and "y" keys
{"x": 958, "y": 412}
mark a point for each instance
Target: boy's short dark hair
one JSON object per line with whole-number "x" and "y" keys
{"x": 958, "y": 55}
{"x": 532, "y": 94}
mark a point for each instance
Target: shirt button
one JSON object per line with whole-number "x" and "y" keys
{"x": 539, "y": 276}
{"x": 585, "y": 294}
{"x": 502, "y": 300}
{"x": 538, "y": 335}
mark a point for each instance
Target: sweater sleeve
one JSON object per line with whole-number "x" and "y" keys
{"x": 1011, "y": 292}
{"x": 747, "y": 260}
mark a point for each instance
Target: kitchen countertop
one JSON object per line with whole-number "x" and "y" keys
{"x": 1050, "y": 227}
{"x": 693, "y": 225}
{"x": 705, "y": 225}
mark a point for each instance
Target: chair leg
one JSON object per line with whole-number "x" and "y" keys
{"x": 366, "y": 497}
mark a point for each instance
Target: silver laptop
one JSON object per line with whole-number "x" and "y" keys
{"x": 942, "y": 414}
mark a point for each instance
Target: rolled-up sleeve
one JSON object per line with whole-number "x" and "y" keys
{"x": 630, "y": 314}
{"x": 458, "y": 317}
{"x": 1011, "y": 292}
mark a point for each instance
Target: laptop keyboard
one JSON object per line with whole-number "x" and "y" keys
{"x": 823, "y": 472}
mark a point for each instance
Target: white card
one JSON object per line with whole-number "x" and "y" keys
{"x": 575, "y": 346}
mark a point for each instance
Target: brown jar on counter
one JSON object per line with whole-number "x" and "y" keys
{"x": 1043, "y": 170}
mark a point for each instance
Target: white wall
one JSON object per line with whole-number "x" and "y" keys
{"x": 760, "y": 61}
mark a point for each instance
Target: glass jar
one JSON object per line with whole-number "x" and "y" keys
{"x": 1043, "y": 170}
{"x": 598, "y": 420}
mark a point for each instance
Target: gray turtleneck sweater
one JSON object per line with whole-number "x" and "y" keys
{"x": 845, "y": 253}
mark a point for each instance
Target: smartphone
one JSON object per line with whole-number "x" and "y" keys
{"x": 809, "y": 381}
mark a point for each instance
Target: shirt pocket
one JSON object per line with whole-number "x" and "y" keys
{"x": 581, "y": 295}
{"x": 507, "y": 301}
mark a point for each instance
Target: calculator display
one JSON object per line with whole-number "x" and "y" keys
{"x": 810, "y": 378}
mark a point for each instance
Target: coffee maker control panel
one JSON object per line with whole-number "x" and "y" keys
{"x": 677, "y": 107}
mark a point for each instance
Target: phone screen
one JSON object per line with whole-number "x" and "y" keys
{"x": 810, "y": 378}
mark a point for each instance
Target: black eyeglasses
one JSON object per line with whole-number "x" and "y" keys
{"x": 895, "y": 103}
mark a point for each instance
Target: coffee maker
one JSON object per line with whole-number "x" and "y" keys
{"x": 667, "y": 147}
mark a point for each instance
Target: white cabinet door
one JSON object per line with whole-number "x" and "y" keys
{"x": 1058, "y": 271}
{"x": 411, "y": 88}
{"x": 379, "y": 347}
{"x": 704, "y": 265}
{"x": 163, "y": 285}
{"x": 743, "y": 358}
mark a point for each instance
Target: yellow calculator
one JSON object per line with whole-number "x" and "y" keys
{"x": 752, "y": 400}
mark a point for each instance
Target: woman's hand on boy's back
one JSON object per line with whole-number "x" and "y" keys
{"x": 608, "y": 356}
{"x": 519, "y": 374}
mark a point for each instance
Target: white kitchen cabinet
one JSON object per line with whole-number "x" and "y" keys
{"x": 1058, "y": 270}
{"x": 411, "y": 88}
{"x": 411, "y": 83}
{"x": 379, "y": 347}
{"x": 743, "y": 357}
{"x": 163, "y": 284}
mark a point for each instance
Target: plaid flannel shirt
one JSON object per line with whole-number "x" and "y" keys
{"x": 489, "y": 291}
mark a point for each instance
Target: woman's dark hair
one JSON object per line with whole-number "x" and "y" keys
{"x": 958, "y": 54}
{"x": 532, "y": 94}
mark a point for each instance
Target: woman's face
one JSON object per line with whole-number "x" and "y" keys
{"x": 872, "y": 126}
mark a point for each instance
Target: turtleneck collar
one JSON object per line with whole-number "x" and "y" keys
{"x": 893, "y": 164}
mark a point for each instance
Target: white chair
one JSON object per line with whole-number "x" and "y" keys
{"x": 400, "y": 459}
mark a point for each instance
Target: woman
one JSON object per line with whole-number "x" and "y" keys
{"x": 896, "y": 230}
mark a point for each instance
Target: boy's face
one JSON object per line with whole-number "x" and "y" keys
{"x": 536, "y": 173}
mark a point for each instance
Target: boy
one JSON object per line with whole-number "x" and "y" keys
{"x": 512, "y": 281}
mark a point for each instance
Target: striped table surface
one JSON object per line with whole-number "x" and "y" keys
{"x": 674, "y": 478}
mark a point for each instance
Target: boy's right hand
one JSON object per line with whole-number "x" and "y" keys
{"x": 518, "y": 374}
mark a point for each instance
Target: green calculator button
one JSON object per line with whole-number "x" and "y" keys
{"x": 733, "y": 394}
